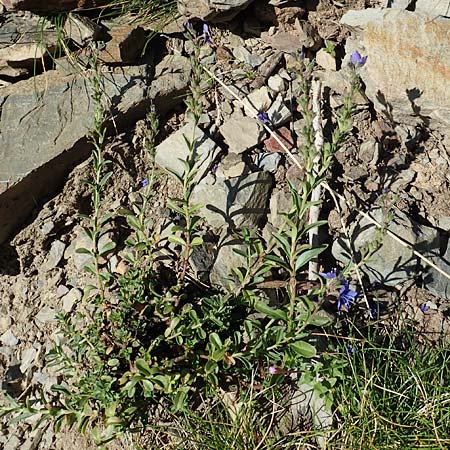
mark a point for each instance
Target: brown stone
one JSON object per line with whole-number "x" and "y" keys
{"x": 272, "y": 145}
{"x": 125, "y": 46}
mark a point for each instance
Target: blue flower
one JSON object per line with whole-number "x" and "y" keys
{"x": 357, "y": 59}
{"x": 263, "y": 117}
{"x": 206, "y": 34}
{"x": 424, "y": 307}
{"x": 346, "y": 297}
{"x": 144, "y": 182}
{"x": 328, "y": 275}
{"x": 350, "y": 350}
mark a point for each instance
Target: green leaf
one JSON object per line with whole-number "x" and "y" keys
{"x": 133, "y": 222}
{"x": 84, "y": 251}
{"x": 308, "y": 255}
{"x": 179, "y": 400}
{"x": 303, "y": 348}
{"x": 143, "y": 367}
{"x": 177, "y": 240}
{"x": 107, "y": 248}
{"x": 215, "y": 340}
{"x": 172, "y": 205}
{"x": 147, "y": 387}
{"x": 320, "y": 320}
{"x": 196, "y": 241}
{"x": 270, "y": 312}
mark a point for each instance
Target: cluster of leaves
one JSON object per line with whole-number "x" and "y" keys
{"x": 154, "y": 336}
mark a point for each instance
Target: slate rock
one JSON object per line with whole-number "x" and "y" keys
{"x": 212, "y": 10}
{"x": 57, "y": 113}
{"x": 392, "y": 263}
{"x": 242, "y": 133}
{"x": 276, "y": 83}
{"x": 171, "y": 82}
{"x": 28, "y": 358}
{"x": 268, "y": 161}
{"x": 45, "y": 315}
{"x": 258, "y": 100}
{"x": 236, "y": 202}
{"x": 279, "y": 113}
{"x": 406, "y": 47}
{"x": 434, "y": 281}
{"x": 25, "y": 38}
{"x": 231, "y": 166}
{"x": 173, "y": 152}
{"x": 54, "y": 255}
{"x": 81, "y": 29}
{"x": 226, "y": 260}
{"x": 243, "y": 55}
{"x": 70, "y": 299}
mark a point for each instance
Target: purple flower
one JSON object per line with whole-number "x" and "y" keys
{"x": 273, "y": 370}
{"x": 424, "y": 307}
{"x": 144, "y": 182}
{"x": 206, "y": 34}
{"x": 350, "y": 350}
{"x": 263, "y": 117}
{"x": 328, "y": 275}
{"x": 357, "y": 59}
{"x": 346, "y": 297}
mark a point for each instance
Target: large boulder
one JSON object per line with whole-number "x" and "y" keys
{"x": 407, "y": 71}
{"x": 44, "y": 128}
{"x": 212, "y": 10}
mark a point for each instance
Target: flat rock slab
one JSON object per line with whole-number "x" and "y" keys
{"x": 212, "y": 10}
{"x": 235, "y": 202}
{"x": 44, "y": 124}
{"x": 407, "y": 74}
{"x": 392, "y": 263}
{"x": 174, "y": 151}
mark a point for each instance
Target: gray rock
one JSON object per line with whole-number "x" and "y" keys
{"x": 268, "y": 161}
{"x": 70, "y": 299}
{"x": 276, "y": 83}
{"x": 5, "y": 322}
{"x": 28, "y": 358}
{"x": 8, "y": 338}
{"x": 173, "y": 152}
{"x": 45, "y": 315}
{"x": 81, "y": 29}
{"x": 54, "y": 255}
{"x": 242, "y": 133}
{"x": 258, "y": 100}
{"x": 407, "y": 47}
{"x": 369, "y": 151}
{"x": 212, "y": 10}
{"x": 392, "y": 263}
{"x": 434, "y": 8}
{"x": 400, "y": 4}
{"x": 237, "y": 202}
{"x": 280, "y": 202}
{"x": 227, "y": 259}
{"x": 309, "y": 36}
{"x": 13, "y": 443}
{"x": 279, "y": 113}
{"x": 325, "y": 60}
{"x": 57, "y": 113}
{"x": 243, "y": 55}
{"x": 434, "y": 281}
{"x": 231, "y": 166}
{"x": 171, "y": 82}
{"x": 25, "y": 38}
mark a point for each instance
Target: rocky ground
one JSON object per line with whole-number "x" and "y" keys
{"x": 397, "y": 158}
